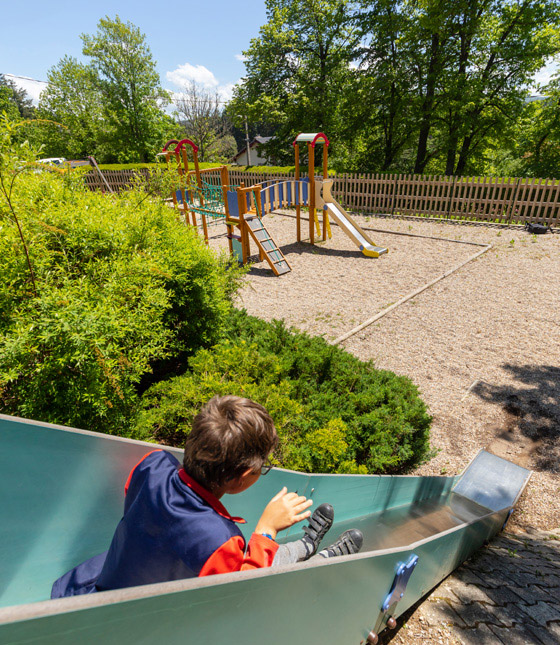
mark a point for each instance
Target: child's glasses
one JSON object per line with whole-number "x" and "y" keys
{"x": 265, "y": 468}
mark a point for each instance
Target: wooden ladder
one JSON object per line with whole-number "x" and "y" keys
{"x": 267, "y": 245}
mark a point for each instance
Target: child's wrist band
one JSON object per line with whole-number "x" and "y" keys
{"x": 268, "y": 536}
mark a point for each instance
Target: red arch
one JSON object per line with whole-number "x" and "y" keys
{"x": 184, "y": 142}
{"x": 179, "y": 145}
{"x": 319, "y": 135}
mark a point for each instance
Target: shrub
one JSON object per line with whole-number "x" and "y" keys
{"x": 333, "y": 412}
{"x": 120, "y": 286}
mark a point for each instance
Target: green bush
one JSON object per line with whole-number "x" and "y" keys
{"x": 120, "y": 287}
{"x": 333, "y": 412}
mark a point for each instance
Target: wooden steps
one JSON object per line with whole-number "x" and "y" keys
{"x": 267, "y": 246}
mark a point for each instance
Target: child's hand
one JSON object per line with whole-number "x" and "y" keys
{"x": 283, "y": 510}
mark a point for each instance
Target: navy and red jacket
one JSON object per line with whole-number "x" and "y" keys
{"x": 172, "y": 528}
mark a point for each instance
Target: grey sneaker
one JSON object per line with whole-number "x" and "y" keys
{"x": 319, "y": 523}
{"x": 349, "y": 542}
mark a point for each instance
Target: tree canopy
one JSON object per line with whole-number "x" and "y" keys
{"x": 414, "y": 85}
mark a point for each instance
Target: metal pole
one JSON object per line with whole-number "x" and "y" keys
{"x": 94, "y": 164}
{"x": 247, "y": 142}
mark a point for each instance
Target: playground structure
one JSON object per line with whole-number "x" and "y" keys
{"x": 320, "y": 197}
{"x": 243, "y": 208}
{"x": 416, "y": 530}
{"x": 197, "y": 193}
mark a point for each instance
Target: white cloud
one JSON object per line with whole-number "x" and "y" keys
{"x": 187, "y": 73}
{"x": 226, "y": 91}
{"x": 32, "y": 87}
{"x": 544, "y": 75}
{"x": 241, "y": 57}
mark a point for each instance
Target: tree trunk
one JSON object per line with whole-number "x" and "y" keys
{"x": 427, "y": 108}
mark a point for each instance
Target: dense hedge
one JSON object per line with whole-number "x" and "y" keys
{"x": 121, "y": 286}
{"x": 333, "y": 412}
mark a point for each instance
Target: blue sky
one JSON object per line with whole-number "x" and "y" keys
{"x": 200, "y": 40}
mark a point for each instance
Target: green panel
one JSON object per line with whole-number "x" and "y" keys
{"x": 62, "y": 499}
{"x": 63, "y": 496}
{"x": 337, "y": 603}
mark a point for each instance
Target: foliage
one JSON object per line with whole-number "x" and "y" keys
{"x": 73, "y": 103}
{"x": 297, "y": 70}
{"x": 119, "y": 285}
{"x": 14, "y": 100}
{"x": 419, "y": 87}
{"x": 537, "y": 135}
{"x": 333, "y": 412}
{"x": 152, "y": 165}
{"x": 111, "y": 106}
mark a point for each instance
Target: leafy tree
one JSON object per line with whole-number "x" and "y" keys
{"x": 456, "y": 73}
{"x": 125, "y": 74}
{"x": 537, "y": 135}
{"x": 73, "y": 103}
{"x": 14, "y": 100}
{"x": 500, "y": 46}
{"x": 297, "y": 69}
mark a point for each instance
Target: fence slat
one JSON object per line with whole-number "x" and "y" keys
{"x": 493, "y": 199}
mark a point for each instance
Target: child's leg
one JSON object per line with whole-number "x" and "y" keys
{"x": 319, "y": 523}
{"x": 290, "y": 553}
{"x": 349, "y": 542}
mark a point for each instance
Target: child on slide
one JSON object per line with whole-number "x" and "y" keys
{"x": 174, "y": 525}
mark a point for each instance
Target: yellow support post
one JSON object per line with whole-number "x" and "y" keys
{"x": 242, "y": 205}
{"x": 298, "y": 206}
{"x": 326, "y": 224}
{"x": 311, "y": 155}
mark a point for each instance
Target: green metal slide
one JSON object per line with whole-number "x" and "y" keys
{"x": 62, "y": 497}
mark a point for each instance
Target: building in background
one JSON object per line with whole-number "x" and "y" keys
{"x": 257, "y": 159}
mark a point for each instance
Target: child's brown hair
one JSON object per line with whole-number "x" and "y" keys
{"x": 229, "y": 436}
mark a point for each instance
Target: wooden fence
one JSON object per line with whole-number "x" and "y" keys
{"x": 489, "y": 199}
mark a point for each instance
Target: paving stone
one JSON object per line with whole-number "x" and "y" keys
{"x": 480, "y": 635}
{"x": 542, "y": 612}
{"x": 522, "y": 578}
{"x": 534, "y": 565}
{"x": 484, "y": 562}
{"x": 515, "y": 613}
{"x": 532, "y": 594}
{"x": 439, "y": 612}
{"x": 551, "y": 580}
{"x": 494, "y": 579}
{"x": 522, "y": 635}
{"x": 554, "y": 629}
{"x": 467, "y": 576}
{"x": 548, "y": 635}
{"x": 506, "y": 539}
{"x": 477, "y": 613}
{"x": 466, "y": 593}
{"x": 503, "y": 595}
{"x": 445, "y": 592}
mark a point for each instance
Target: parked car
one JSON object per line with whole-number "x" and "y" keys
{"x": 55, "y": 161}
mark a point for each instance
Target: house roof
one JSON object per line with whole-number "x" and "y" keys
{"x": 258, "y": 140}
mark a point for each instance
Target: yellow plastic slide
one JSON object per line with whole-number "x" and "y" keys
{"x": 346, "y": 223}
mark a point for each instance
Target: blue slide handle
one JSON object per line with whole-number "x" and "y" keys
{"x": 402, "y": 576}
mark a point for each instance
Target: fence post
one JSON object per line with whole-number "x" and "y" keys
{"x": 513, "y": 202}
{"x": 395, "y": 183}
{"x": 450, "y": 197}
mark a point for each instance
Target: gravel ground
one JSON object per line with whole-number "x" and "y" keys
{"x": 482, "y": 345}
